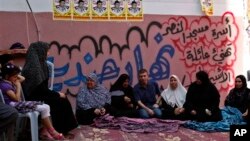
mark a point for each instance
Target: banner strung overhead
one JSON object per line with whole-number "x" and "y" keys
{"x": 98, "y": 10}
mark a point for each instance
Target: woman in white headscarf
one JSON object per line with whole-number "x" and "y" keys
{"x": 173, "y": 99}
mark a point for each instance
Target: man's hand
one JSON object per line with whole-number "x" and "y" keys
{"x": 150, "y": 112}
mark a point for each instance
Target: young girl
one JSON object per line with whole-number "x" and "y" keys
{"x": 11, "y": 88}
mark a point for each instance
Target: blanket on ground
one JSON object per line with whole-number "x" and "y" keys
{"x": 230, "y": 116}
{"x": 137, "y": 125}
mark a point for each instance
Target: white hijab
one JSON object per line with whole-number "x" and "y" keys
{"x": 175, "y": 97}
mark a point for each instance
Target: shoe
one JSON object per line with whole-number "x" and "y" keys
{"x": 45, "y": 135}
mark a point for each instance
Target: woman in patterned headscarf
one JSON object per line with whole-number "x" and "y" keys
{"x": 202, "y": 100}
{"x": 36, "y": 88}
{"x": 92, "y": 101}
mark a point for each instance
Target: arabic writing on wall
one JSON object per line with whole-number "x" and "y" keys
{"x": 172, "y": 45}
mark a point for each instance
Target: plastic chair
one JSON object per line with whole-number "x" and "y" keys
{"x": 52, "y": 74}
{"x": 33, "y": 116}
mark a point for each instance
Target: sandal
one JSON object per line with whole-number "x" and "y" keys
{"x": 56, "y": 135}
{"x": 45, "y": 135}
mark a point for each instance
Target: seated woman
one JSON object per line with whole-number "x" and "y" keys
{"x": 122, "y": 97}
{"x": 173, "y": 99}
{"x": 11, "y": 88}
{"x": 36, "y": 88}
{"x": 93, "y": 100}
{"x": 238, "y": 97}
{"x": 202, "y": 100}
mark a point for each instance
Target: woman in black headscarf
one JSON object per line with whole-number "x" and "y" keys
{"x": 202, "y": 100}
{"x": 36, "y": 88}
{"x": 239, "y": 96}
{"x": 122, "y": 97}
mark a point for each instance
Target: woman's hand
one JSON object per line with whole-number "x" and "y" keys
{"x": 178, "y": 111}
{"x": 97, "y": 112}
{"x": 20, "y": 78}
{"x": 245, "y": 114}
{"x": 103, "y": 111}
{"x": 193, "y": 112}
{"x": 127, "y": 99}
{"x": 17, "y": 83}
{"x": 62, "y": 95}
{"x": 156, "y": 105}
{"x": 208, "y": 112}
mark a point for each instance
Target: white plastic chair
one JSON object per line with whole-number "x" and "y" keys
{"x": 52, "y": 74}
{"x": 33, "y": 116}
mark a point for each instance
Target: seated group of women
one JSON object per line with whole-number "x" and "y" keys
{"x": 200, "y": 102}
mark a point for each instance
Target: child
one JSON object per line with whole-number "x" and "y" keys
{"x": 10, "y": 84}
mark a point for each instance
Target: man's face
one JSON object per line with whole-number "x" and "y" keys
{"x": 62, "y": 3}
{"x": 134, "y": 5}
{"x": 81, "y": 4}
{"x": 117, "y": 5}
{"x": 99, "y": 5}
{"x": 143, "y": 78}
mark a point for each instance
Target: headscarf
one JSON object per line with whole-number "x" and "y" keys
{"x": 175, "y": 97}
{"x": 203, "y": 77}
{"x": 35, "y": 69}
{"x": 244, "y": 82}
{"x": 118, "y": 85}
{"x": 239, "y": 97}
{"x": 93, "y": 98}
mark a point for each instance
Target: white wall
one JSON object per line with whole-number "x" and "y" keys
{"x": 165, "y": 7}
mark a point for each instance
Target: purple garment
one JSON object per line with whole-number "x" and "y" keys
{"x": 5, "y": 86}
{"x": 21, "y": 106}
{"x": 137, "y": 125}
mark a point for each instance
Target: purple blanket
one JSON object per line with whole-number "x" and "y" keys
{"x": 137, "y": 125}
